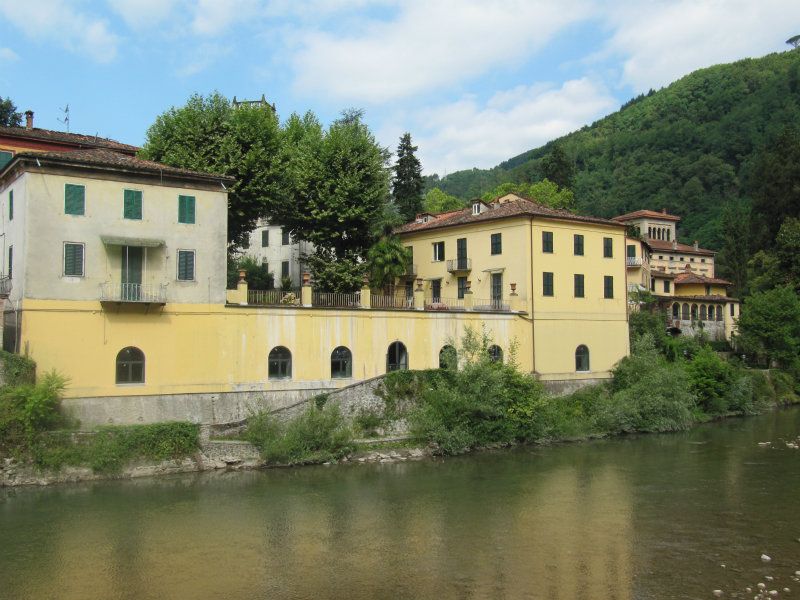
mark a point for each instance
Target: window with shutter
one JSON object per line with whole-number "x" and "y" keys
{"x": 5, "y": 158}
{"x": 133, "y": 204}
{"x": 608, "y": 286}
{"x": 264, "y": 238}
{"x": 186, "y": 209}
{"x": 73, "y": 259}
{"x": 547, "y": 284}
{"x": 74, "y": 199}
{"x": 185, "y": 265}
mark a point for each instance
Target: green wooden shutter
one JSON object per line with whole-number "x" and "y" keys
{"x": 186, "y": 209}
{"x": 74, "y": 199}
{"x": 73, "y": 260}
{"x": 185, "y": 265}
{"x": 133, "y": 204}
{"x": 5, "y": 158}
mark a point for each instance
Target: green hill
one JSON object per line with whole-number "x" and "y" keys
{"x": 689, "y": 147}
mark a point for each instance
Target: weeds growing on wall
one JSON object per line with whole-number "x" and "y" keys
{"x": 316, "y": 435}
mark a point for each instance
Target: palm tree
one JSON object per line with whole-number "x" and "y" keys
{"x": 387, "y": 260}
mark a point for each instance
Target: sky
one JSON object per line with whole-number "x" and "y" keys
{"x": 475, "y": 82}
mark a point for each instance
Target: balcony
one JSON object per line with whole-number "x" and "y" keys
{"x": 459, "y": 265}
{"x": 137, "y": 293}
{"x": 633, "y": 261}
{"x": 5, "y": 287}
{"x": 411, "y": 271}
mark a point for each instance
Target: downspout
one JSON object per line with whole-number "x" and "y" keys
{"x": 531, "y": 294}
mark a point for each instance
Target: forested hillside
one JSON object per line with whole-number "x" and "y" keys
{"x": 692, "y": 147}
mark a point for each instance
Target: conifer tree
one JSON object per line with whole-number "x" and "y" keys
{"x": 407, "y": 183}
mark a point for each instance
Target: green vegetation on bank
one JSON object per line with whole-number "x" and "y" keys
{"x": 34, "y": 430}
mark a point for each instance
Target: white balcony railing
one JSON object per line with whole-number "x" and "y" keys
{"x": 5, "y": 287}
{"x": 633, "y": 261}
{"x": 153, "y": 293}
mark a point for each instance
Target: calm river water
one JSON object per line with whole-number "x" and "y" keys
{"x": 647, "y": 517}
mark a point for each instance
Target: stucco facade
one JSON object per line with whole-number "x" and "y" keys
{"x": 268, "y": 244}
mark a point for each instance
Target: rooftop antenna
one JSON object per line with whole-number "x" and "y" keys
{"x": 65, "y": 120}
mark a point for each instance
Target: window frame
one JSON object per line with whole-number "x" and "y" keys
{"x": 578, "y": 244}
{"x": 548, "y": 284}
{"x": 438, "y": 256}
{"x": 10, "y": 157}
{"x": 288, "y": 269}
{"x": 496, "y": 244}
{"x": 265, "y": 238}
{"x": 579, "y": 277}
{"x": 83, "y": 199}
{"x": 608, "y": 247}
{"x": 178, "y": 264}
{"x": 547, "y": 242}
{"x": 125, "y": 201}
{"x": 82, "y": 246}
{"x": 283, "y": 365}
{"x": 286, "y": 238}
{"x": 347, "y": 361}
{"x": 461, "y": 283}
{"x": 608, "y": 291}
{"x": 400, "y": 365}
{"x": 667, "y": 286}
{"x": 582, "y": 359}
{"x": 183, "y": 206}
{"x": 130, "y": 363}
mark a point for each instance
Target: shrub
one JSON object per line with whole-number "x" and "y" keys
{"x": 711, "y": 379}
{"x": 316, "y": 435}
{"x": 27, "y": 410}
{"x": 368, "y": 422}
{"x": 17, "y": 369}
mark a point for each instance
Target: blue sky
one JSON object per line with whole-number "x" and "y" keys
{"x": 474, "y": 81}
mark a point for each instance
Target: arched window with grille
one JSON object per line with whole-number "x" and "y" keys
{"x": 495, "y": 353}
{"x": 341, "y": 363}
{"x": 280, "y": 363}
{"x": 676, "y": 311}
{"x": 685, "y": 312}
{"x": 719, "y": 313}
{"x": 130, "y": 365}
{"x": 703, "y": 313}
{"x": 694, "y": 312}
{"x": 396, "y": 357}
{"x": 582, "y": 358}
{"x": 448, "y": 358}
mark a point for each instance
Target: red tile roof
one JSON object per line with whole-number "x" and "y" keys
{"x": 664, "y": 246}
{"x": 113, "y": 160}
{"x": 62, "y": 137}
{"x": 649, "y": 214}
{"x": 523, "y": 207}
{"x": 690, "y": 277}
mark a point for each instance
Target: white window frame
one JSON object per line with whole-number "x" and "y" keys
{"x": 436, "y": 257}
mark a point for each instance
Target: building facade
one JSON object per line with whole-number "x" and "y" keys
{"x": 271, "y": 245}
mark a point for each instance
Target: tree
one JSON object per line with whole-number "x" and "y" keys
{"x": 558, "y": 168}
{"x": 775, "y": 185}
{"x": 407, "y": 184}
{"x": 735, "y": 251}
{"x": 387, "y": 259}
{"x": 335, "y": 195}
{"x": 209, "y": 135}
{"x": 437, "y": 201}
{"x": 544, "y": 192}
{"x": 769, "y": 325}
{"x": 794, "y": 41}
{"x": 9, "y": 117}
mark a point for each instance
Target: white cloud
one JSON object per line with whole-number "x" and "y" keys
{"x": 465, "y": 134}
{"x": 8, "y": 55}
{"x": 214, "y": 17}
{"x": 203, "y": 57}
{"x": 662, "y": 41}
{"x": 428, "y": 45}
{"x": 140, "y": 14}
{"x": 59, "y": 22}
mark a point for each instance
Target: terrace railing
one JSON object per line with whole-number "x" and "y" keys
{"x": 150, "y": 293}
{"x": 336, "y": 300}
{"x": 490, "y": 305}
{"x": 444, "y": 304}
{"x": 274, "y": 297}
{"x": 394, "y": 301}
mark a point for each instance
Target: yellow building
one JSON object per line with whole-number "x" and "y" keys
{"x": 680, "y": 276}
{"x": 114, "y": 274}
{"x": 566, "y": 271}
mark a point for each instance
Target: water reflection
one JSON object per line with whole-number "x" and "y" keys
{"x": 633, "y": 518}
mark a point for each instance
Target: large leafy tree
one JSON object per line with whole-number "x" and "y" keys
{"x": 558, "y": 168}
{"x": 9, "y": 115}
{"x": 769, "y": 325}
{"x": 388, "y": 259}
{"x": 544, "y": 192}
{"x": 437, "y": 201}
{"x": 208, "y": 134}
{"x": 336, "y": 194}
{"x": 407, "y": 184}
{"x": 735, "y": 250}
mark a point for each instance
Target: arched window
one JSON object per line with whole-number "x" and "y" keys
{"x": 694, "y": 312}
{"x": 396, "y": 357}
{"x": 703, "y": 313}
{"x": 280, "y": 363}
{"x": 130, "y": 365}
{"x": 719, "y": 313}
{"x": 448, "y": 359}
{"x": 582, "y": 358}
{"x": 341, "y": 363}
{"x": 676, "y": 311}
{"x": 685, "y": 312}
{"x": 495, "y": 353}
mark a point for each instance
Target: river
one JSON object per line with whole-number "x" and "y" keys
{"x": 653, "y": 516}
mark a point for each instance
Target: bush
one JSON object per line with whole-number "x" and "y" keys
{"x": 316, "y": 435}
{"x": 17, "y": 369}
{"x": 29, "y": 409}
{"x": 711, "y": 379}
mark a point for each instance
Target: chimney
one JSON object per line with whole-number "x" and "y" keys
{"x": 695, "y": 245}
{"x": 674, "y": 244}
{"x": 28, "y": 119}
